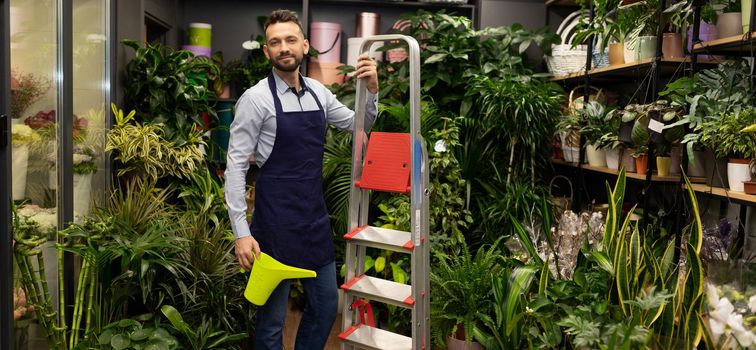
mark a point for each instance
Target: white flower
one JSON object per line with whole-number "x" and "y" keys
{"x": 440, "y": 146}
{"x": 251, "y": 45}
{"x": 720, "y": 316}
{"x": 81, "y": 158}
{"x": 712, "y": 295}
{"x": 752, "y": 303}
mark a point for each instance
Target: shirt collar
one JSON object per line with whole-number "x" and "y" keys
{"x": 282, "y": 86}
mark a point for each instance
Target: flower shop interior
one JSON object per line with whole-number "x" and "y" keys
{"x": 574, "y": 174}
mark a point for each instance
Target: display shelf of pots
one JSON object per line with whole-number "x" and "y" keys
{"x": 637, "y": 69}
{"x": 565, "y": 3}
{"x": 433, "y": 4}
{"x": 740, "y": 45}
{"x": 725, "y": 193}
{"x": 629, "y": 175}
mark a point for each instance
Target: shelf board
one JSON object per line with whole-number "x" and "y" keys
{"x": 565, "y": 3}
{"x": 633, "y": 69}
{"x": 397, "y": 4}
{"x": 724, "y": 193}
{"x": 731, "y": 45}
{"x": 629, "y": 175}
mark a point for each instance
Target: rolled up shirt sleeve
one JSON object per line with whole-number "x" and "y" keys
{"x": 242, "y": 144}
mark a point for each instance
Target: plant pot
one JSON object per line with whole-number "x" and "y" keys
{"x": 696, "y": 166}
{"x": 662, "y": 165}
{"x": 647, "y": 48}
{"x": 460, "y": 344}
{"x": 745, "y": 13}
{"x": 729, "y": 24}
{"x": 630, "y": 53}
{"x": 612, "y": 158}
{"x": 226, "y": 92}
{"x": 672, "y": 45}
{"x": 20, "y": 157}
{"x": 707, "y": 32}
{"x": 738, "y": 171}
{"x": 627, "y": 160}
{"x": 716, "y": 170}
{"x": 641, "y": 163}
{"x": 616, "y": 54}
{"x": 571, "y": 154}
{"x": 749, "y": 187}
{"x": 676, "y": 155}
{"x": 82, "y": 194}
{"x": 596, "y": 156}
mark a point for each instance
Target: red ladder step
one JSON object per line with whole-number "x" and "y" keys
{"x": 387, "y": 163}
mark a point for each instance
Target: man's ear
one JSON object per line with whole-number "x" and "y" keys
{"x": 306, "y": 46}
{"x": 265, "y": 50}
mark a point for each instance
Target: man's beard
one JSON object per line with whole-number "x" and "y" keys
{"x": 287, "y": 67}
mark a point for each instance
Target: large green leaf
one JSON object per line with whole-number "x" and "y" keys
{"x": 518, "y": 286}
{"x": 525, "y": 239}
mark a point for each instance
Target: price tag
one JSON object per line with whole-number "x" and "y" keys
{"x": 655, "y": 126}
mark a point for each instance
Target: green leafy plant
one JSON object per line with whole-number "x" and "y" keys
{"x": 226, "y": 72}
{"x": 206, "y": 336}
{"x": 170, "y": 88}
{"x": 136, "y": 334}
{"x": 723, "y": 135}
{"x": 598, "y": 122}
{"x": 145, "y": 151}
{"x": 462, "y": 286}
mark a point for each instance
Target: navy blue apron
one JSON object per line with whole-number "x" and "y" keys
{"x": 290, "y": 221}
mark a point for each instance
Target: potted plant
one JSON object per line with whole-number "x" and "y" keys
{"x": 724, "y": 136}
{"x": 226, "y": 74}
{"x": 169, "y": 87}
{"x": 462, "y": 297}
{"x": 663, "y": 158}
{"x": 729, "y": 21}
{"x": 610, "y": 141}
{"x": 21, "y": 136}
{"x": 26, "y": 89}
{"x": 84, "y": 165}
{"x": 749, "y": 186}
{"x": 596, "y": 124}
{"x": 568, "y": 129}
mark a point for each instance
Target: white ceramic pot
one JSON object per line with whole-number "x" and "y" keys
{"x": 738, "y": 170}
{"x": 612, "y": 158}
{"x": 729, "y": 24}
{"x": 571, "y": 154}
{"x": 627, "y": 160}
{"x": 20, "y": 157}
{"x": 82, "y": 194}
{"x": 596, "y": 156}
{"x": 631, "y": 54}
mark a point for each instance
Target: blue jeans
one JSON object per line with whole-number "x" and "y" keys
{"x": 321, "y": 294}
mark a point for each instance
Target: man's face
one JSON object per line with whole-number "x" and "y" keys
{"x": 285, "y": 46}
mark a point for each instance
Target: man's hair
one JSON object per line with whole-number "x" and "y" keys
{"x": 282, "y": 16}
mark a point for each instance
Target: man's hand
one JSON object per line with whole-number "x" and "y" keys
{"x": 366, "y": 68}
{"x": 245, "y": 246}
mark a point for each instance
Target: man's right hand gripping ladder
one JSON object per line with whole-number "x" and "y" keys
{"x": 389, "y": 162}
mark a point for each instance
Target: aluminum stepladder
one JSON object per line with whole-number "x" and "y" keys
{"x": 394, "y": 163}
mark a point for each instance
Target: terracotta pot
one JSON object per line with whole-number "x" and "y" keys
{"x": 226, "y": 92}
{"x": 641, "y": 163}
{"x": 616, "y": 54}
{"x": 672, "y": 45}
{"x": 749, "y": 187}
{"x": 662, "y": 165}
{"x": 729, "y": 24}
{"x": 460, "y": 344}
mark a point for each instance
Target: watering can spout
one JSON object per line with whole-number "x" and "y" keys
{"x": 266, "y": 274}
